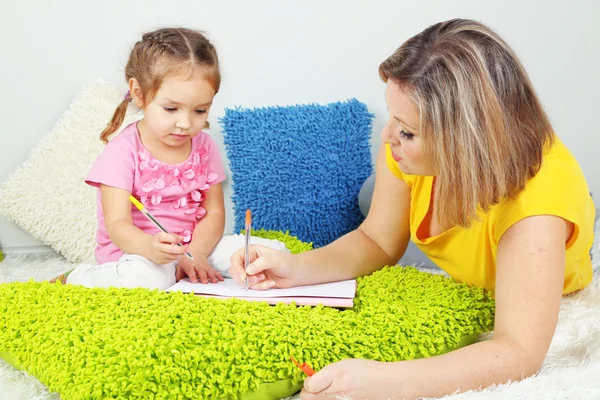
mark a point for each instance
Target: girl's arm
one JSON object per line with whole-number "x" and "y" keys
{"x": 209, "y": 229}
{"x": 207, "y": 233}
{"x": 529, "y": 282}
{"x": 129, "y": 238}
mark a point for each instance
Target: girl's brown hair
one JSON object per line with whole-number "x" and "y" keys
{"x": 481, "y": 122}
{"x": 160, "y": 53}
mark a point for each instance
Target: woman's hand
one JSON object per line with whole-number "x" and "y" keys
{"x": 268, "y": 268}
{"x": 354, "y": 379}
{"x": 162, "y": 248}
{"x": 197, "y": 269}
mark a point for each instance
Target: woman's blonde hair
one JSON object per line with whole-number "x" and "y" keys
{"x": 160, "y": 53}
{"x": 481, "y": 122}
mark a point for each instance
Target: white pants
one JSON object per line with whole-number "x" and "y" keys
{"x": 132, "y": 270}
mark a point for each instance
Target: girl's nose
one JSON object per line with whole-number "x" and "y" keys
{"x": 183, "y": 123}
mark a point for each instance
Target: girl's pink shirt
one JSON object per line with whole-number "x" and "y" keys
{"x": 173, "y": 194}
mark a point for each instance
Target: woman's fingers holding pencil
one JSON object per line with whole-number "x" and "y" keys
{"x": 268, "y": 268}
{"x": 236, "y": 269}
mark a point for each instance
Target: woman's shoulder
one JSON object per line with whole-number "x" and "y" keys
{"x": 559, "y": 174}
{"x": 559, "y": 188}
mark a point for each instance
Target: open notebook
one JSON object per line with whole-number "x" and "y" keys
{"x": 337, "y": 294}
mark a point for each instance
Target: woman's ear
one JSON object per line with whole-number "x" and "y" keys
{"x": 136, "y": 93}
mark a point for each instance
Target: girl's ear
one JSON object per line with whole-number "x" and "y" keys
{"x": 136, "y": 93}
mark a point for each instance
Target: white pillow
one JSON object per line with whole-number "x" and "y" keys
{"x": 46, "y": 196}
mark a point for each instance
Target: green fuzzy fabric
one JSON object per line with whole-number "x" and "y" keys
{"x": 294, "y": 244}
{"x": 148, "y": 344}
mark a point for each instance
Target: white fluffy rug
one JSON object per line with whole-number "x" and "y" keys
{"x": 571, "y": 369}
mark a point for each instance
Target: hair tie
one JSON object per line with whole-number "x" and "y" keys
{"x": 127, "y": 96}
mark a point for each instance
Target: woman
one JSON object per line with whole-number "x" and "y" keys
{"x": 470, "y": 170}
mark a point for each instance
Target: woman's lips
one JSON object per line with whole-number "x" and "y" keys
{"x": 395, "y": 157}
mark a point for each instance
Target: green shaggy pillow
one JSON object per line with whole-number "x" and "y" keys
{"x": 143, "y": 344}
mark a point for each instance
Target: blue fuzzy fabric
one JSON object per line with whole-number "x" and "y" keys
{"x": 299, "y": 168}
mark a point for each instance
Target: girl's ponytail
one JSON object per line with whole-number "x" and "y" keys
{"x": 117, "y": 118}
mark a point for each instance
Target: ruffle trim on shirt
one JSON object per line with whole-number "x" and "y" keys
{"x": 192, "y": 176}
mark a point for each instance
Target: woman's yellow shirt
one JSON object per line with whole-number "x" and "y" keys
{"x": 469, "y": 254}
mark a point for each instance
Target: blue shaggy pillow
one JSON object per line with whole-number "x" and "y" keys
{"x": 299, "y": 168}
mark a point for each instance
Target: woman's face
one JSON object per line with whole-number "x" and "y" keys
{"x": 402, "y": 134}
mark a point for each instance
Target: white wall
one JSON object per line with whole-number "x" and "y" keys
{"x": 283, "y": 52}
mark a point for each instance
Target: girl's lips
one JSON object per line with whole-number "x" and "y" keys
{"x": 395, "y": 157}
{"x": 179, "y": 137}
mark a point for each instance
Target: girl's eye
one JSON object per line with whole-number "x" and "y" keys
{"x": 200, "y": 111}
{"x": 170, "y": 109}
{"x": 406, "y": 135}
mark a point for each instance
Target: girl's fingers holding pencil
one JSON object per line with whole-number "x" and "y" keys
{"x": 164, "y": 237}
{"x": 173, "y": 250}
{"x": 164, "y": 249}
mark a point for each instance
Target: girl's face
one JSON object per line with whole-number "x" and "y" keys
{"x": 402, "y": 134}
{"x": 179, "y": 109}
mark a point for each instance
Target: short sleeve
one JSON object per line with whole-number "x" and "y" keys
{"x": 114, "y": 167}
{"x": 214, "y": 163}
{"x": 559, "y": 189}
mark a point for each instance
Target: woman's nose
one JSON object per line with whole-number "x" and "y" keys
{"x": 386, "y": 135}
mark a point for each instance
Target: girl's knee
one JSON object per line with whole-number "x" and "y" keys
{"x": 162, "y": 279}
{"x": 135, "y": 271}
{"x": 154, "y": 277}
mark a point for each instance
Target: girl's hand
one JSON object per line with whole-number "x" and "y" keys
{"x": 353, "y": 379}
{"x": 163, "y": 248}
{"x": 197, "y": 269}
{"x": 268, "y": 268}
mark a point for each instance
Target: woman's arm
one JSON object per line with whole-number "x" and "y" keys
{"x": 529, "y": 282}
{"x": 530, "y": 266}
{"x": 380, "y": 240}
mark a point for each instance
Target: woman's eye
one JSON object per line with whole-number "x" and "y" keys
{"x": 200, "y": 111}
{"x": 170, "y": 109}
{"x": 406, "y": 135}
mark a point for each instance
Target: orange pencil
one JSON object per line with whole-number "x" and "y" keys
{"x": 304, "y": 367}
{"x": 247, "y": 243}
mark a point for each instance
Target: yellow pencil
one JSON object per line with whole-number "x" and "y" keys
{"x": 143, "y": 210}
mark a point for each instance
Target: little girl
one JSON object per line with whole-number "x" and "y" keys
{"x": 167, "y": 162}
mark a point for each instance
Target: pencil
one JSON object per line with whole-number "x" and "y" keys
{"x": 247, "y": 243}
{"x": 143, "y": 210}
